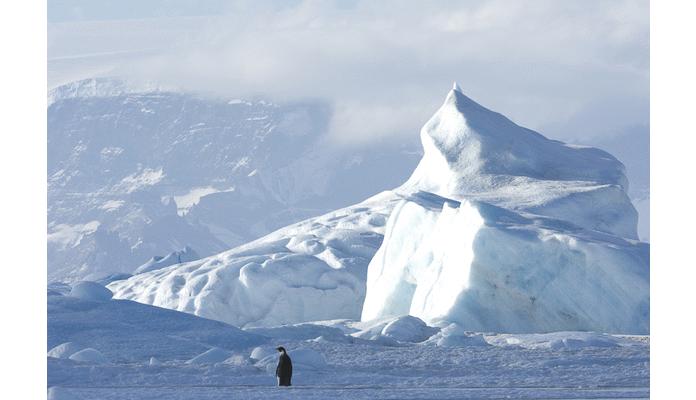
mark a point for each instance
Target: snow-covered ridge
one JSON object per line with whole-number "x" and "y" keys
{"x": 94, "y": 87}
{"x": 312, "y": 270}
{"x": 176, "y": 257}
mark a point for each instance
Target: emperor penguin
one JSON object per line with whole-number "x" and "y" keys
{"x": 284, "y": 368}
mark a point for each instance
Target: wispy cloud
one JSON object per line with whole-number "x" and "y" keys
{"x": 572, "y": 69}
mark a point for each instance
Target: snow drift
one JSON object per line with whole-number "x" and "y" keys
{"x": 212, "y": 356}
{"x": 122, "y": 331}
{"x": 497, "y": 229}
{"x": 405, "y": 329}
{"x": 89, "y": 355}
{"x": 64, "y": 350}
{"x": 90, "y": 291}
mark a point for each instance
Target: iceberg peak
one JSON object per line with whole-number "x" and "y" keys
{"x": 475, "y": 153}
{"x": 456, "y": 87}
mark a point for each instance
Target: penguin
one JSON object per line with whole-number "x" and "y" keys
{"x": 284, "y": 368}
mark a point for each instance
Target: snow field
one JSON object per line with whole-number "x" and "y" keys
{"x": 158, "y": 353}
{"x": 530, "y": 369}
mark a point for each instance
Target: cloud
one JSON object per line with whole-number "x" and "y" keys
{"x": 558, "y": 67}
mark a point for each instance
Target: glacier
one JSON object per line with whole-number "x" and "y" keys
{"x": 497, "y": 229}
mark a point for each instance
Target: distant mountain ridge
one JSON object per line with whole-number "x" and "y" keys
{"x": 137, "y": 173}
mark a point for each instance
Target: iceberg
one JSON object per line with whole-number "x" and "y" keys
{"x": 489, "y": 269}
{"x": 501, "y": 229}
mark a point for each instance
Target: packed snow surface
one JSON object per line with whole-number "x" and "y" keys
{"x": 302, "y": 359}
{"x": 151, "y": 352}
{"x": 212, "y": 356}
{"x": 159, "y": 353}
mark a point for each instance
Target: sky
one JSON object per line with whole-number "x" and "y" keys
{"x": 573, "y": 70}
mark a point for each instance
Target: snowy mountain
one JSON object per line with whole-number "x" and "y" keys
{"x": 498, "y": 229}
{"x": 135, "y": 174}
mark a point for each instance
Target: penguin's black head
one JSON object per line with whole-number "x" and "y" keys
{"x": 281, "y": 349}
